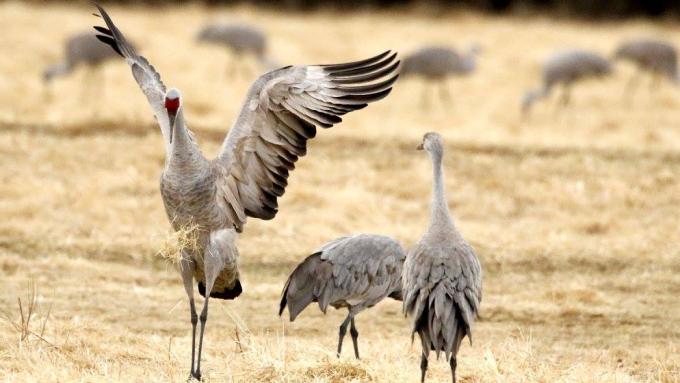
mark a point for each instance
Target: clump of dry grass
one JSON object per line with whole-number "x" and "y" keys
{"x": 30, "y": 322}
{"x": 186, "y": 238}
{"x": 337, "y": 372}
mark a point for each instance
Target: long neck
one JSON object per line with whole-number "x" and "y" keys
{"x": 441, "y": 218}
{"x": 183, "y": 156}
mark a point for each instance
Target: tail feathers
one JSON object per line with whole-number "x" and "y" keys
{"x": 444, "y": 320}
{"x": 229, "y": 294}
{"x": 301, "y": 287}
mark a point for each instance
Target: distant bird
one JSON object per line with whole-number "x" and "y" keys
{"x": 355, "y": 272}
{"x": 80, "y": 49}
{"x": 437, "y": 63}
{"x": 281, "y": 111}
{"x": 442, "y": 277}
{"x": 566, "y": 68}
{"x": 659, "y": 58}
{"x": 240, "y": 39}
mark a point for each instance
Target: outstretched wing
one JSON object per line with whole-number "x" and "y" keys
{"x": 144, "y": 73}
{"x": 281, "y": 112}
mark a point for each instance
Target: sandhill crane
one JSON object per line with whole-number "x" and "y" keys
{"x": 281, "y": 111}
{"x": 355, "y": 272}
{"x": 659, "y": 58}
{"x": 437, "y": 63}
{"x": 442, "y": 277}
{"x": 566, "y": 68}
{"x": 240, "y": 39}
{"x": 81, "y": 49}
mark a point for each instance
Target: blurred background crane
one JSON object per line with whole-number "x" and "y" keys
{"x": 564, "y": 69}
{"x": 655, "y": 57}
{"x": 435, "y": 64}
{"x": 82, "y": 50}
{"x": 241, "y": 40}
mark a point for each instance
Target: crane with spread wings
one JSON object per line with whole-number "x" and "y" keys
{"x": 281, "y": 111}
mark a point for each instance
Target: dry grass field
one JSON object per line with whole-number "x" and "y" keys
{"x": 575, "y": 214}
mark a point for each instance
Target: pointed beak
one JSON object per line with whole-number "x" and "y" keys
{"x": 420, "y": 146}
{"x": 172, "y": 125}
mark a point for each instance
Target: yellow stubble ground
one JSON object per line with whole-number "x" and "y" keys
{"x": 573, "y": 213}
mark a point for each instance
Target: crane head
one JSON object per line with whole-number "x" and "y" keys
{"x": 173, "y": 101}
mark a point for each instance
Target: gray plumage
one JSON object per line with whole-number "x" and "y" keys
{"x": 655, "y": 56}
{"x": 281, "y": 111}
{"x": 442, "y": 277}
{"x": 80, "y": 49}
{"x": 354, "y": 272}
{"x": 240, "y": 39}
{"x": 566, "y": 68}
{"x": 439, "y": 62}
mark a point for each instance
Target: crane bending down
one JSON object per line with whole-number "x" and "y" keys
{"x": 355, "y": 272}
{"x": 80, "y": 49}
{"x": 659, "y": 58}
{"x": 442, "y": 276}
{"x": 240, "y": 39}
{"x": 437, "y": 63}
{"x": 280, "y": 113}
{"x": 565, "y": 68}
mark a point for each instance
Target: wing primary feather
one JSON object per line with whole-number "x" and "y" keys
{"x": 371, "y": 88}
{"x": 365, "y": 97}
{"x": 362, "y": 70}
{"x": 367, "y": 77}
{"x": 110, "y": 42}
{"x": 354, "y": 64}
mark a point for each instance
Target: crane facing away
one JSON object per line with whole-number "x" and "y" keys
{"x": 281, "y": 111}
{"x": 566, "y": 68}
{"x": 442, "y": 277}
{"x": 355, "y": 272}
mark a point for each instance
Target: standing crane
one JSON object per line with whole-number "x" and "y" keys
{"x": 241, "y": 40}
{"x": 354, "y": 272}
{"x": 566, "y": 68}
{"x": 442, "y": 276}
{"x": 81, "y": 49}
{"x": 437, "y": 63}
{"x": 281, "y": 111}
{"x": 659, "y": 58}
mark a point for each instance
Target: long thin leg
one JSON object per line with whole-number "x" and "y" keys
{"x": 97, "y": 85}
{"x": 632, "y": 84}
{"x": 355, "y": 336}
{"x": 212, "y": 266}
{"x": 444, "y": 91}
{"x": 343, "y": 331}
{"x": 453, "y": 364}
{"x": 187, "y": 270}
{"x": 203, "y": 318}
{"x": 566, "y": 96}
{"x": 423, "y": 364}
{"x": 655, "y": 82}
{"x": 424, "y": 356}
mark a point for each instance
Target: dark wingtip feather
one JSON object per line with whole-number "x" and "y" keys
{"x": 103, "y": 30}
{"x": 363, "y": 69}
{"x": 366, "y": 97}
{"x": 354, "y": 64}
{"x": 110, "y": 41}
